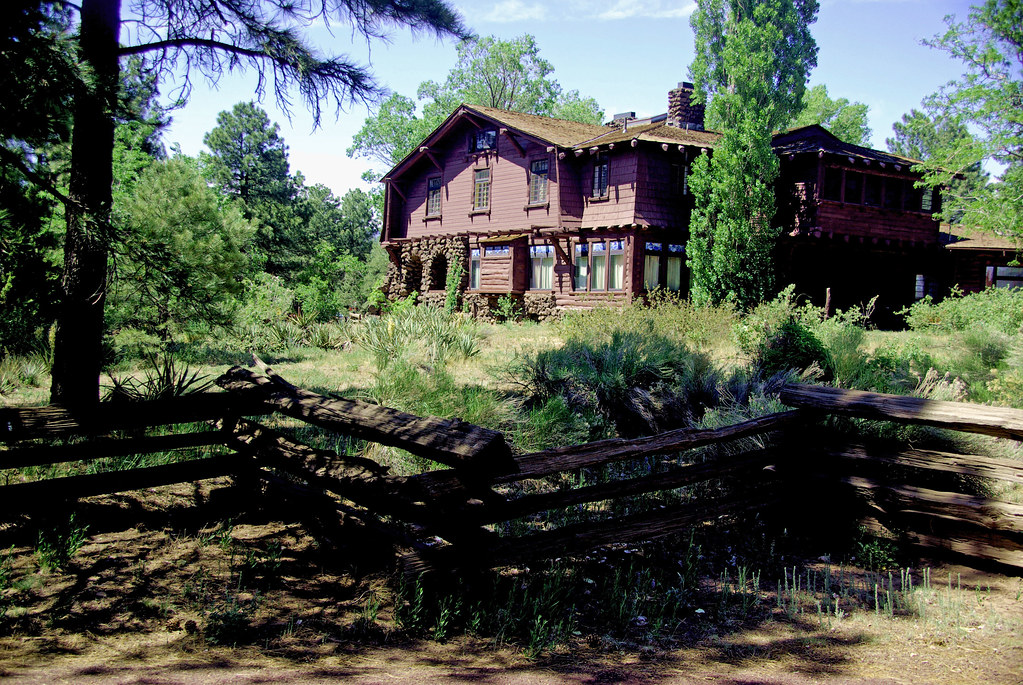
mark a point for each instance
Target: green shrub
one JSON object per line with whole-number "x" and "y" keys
{"x": 424, "y": 334}
{"x": 794, "y": 346}
{"x": 452, "y": 287}
{"x": 55, "y": 546}
{"x": 638, "y": 382}
{"x": 997, "y": 308}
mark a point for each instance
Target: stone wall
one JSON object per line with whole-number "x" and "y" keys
{"x": 540, "y": 306}
{"x": 417, "y": 272}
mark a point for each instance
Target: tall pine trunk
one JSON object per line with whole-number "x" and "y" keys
{"x": 78, "y": 348}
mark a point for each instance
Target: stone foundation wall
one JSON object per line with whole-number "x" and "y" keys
{"x": 417, "y": 272}
{"x": 540, "y": 306}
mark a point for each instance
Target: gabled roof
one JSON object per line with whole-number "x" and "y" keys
{"x": 816, "y": 138}
{"x": 658, "y": 132}
{"x": 556, "y": 132}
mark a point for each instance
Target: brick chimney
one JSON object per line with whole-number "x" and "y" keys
{"x": 682, "y": 113}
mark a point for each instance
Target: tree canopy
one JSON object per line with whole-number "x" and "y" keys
{"x": 752, "y": 61}
{"x": 988, "y": 99}
{"x": 846, "y": 120}
{"x": 200, "y": 39}
{"x": 505, "y": 74}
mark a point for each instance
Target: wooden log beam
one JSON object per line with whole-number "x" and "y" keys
{"x": 449, "y": 441}
{"x": 43, "y": 493}
{"x": 627, "y": 529}
{"x": 547, "y": 462}
{"x": 39, "y": 455}
{"x": 962, "y": 464}
{"x": 934, "y": 535}
{"x": 1000, "y": 422}
{"x": 988, "y": 513}
{"x": 21, "y": 423}
{"x": 675, "y": 478}
{"x": 356, "y": 479}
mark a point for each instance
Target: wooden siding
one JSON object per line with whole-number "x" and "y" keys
{"x": 619, "y": 209}
{"x": 509, "y": 188}
{"x": 658, "y": 201}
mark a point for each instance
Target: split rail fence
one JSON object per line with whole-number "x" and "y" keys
{"x": 790, "y": 461}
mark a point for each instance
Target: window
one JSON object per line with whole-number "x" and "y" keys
{"x": 474, "y": 269}
{"x": 1008, "y": 277}
{"x": 853, "y": 187}
{"x": 921, "y": 287}
{"x": 433, "y": 197}
{"x": 652, "y": 266}
{"x": 832, "y": 189}
{"x": 481, "y": 191}
{"x": 538, "y": 182}
{"x": 679, "y": 179}
{"x": 676, "y": 253}
{"x": 541, "y": 262}
{"x": 600, "y": 173}
{"x": 598, "y": 266}
{"x": 497, "y": 251}
{"x": 872, "y": 191}
{"x": 930, "y": 201}
{"x": 582, "y": 266}
{"x": 616, "y": 265}
{"x": 483, "y": 140}
{"x": 893, "y": 193}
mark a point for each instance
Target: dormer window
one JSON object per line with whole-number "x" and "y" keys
{"x": 600, "y": 174}
{"x": 483, "y": 140}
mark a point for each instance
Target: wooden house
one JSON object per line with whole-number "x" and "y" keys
{"x": 559, "y": 215}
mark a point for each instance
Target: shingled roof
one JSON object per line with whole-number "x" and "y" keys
{"x": 658, "y": 132}
{"x": 560, "y": 132}
{"x": 815, "y": 138}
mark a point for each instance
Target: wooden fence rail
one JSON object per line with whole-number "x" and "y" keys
{"x": 755, "y": 460}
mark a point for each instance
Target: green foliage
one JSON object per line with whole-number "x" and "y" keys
{"x": 934, "y": 134}
{"x": 55, "y": 546}
{"x": 794, "y": 346}
{"x": 419, "y": 333}
{"x": 507, "y": 74}
{"x": 987, "y": 98}
{"x": 997, "y": 308}
{"x": 751, "y": 64}
{"x": 183, "y": 257}
{"x": 163, "y": 379}
{"x": 452, "y": 287}
{"x": 635, "y": 382}
{"x": 848, "y": 121}
{"x": 507, "y": 309}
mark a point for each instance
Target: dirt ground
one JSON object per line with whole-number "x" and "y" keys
{"x": 158, "y": 571}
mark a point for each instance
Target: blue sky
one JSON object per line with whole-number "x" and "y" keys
{"x": 627, "y": 54}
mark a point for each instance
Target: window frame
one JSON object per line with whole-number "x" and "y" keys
{"x": 475, "y": 268}
{"x": 532, "y": 199}
{"x": 615, "y": 248}
{"x": 601, "y": 178}
{"x": 488, "y": 135}
{"x": 544, "y": 253}
{"x": 433, "y": 194}
{"x": 652, "y": 252}
{"x": 476, "y": 189}
{"x": 581, "y": 249}
{"x": 677, "y": 252}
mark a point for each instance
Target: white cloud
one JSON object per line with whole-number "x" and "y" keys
{"x": 655, "y": 9}
{"x": 506, "y": 11}
{"x": 513, "y": 10}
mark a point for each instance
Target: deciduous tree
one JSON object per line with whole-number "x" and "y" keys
{"x": 506, "y": 74}
{"x": 752, "y": 61}
{"x": 988, "y": 99}
{"x": 846, "y": 120}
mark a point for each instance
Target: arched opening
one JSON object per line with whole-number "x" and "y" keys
{"x": 439, "y": 272}
{"x": 412, "y": 279}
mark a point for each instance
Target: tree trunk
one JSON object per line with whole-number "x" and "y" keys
{"x": 78, "y": 345}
